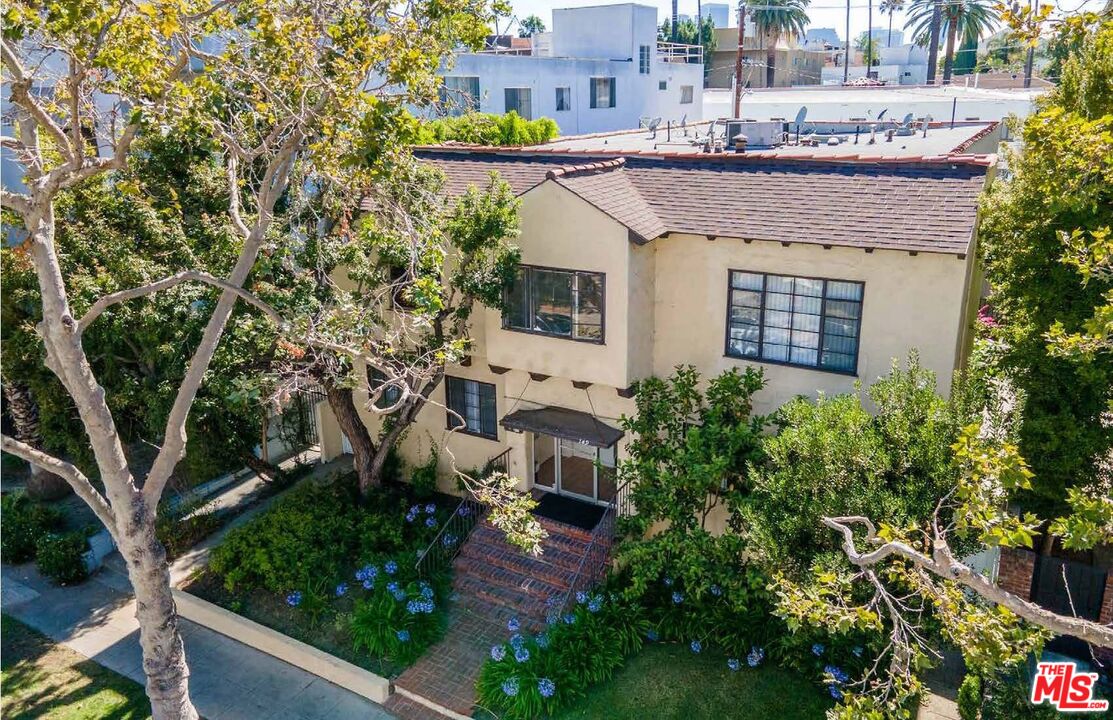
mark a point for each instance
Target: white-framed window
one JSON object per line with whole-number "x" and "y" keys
{"x": 520, "y": 100}
{"x": 686, "y": 94}
{"x": 460, "y": 94}
{"x": 563, "y": 99}
{"x": 811, "y": 322}
{"x": 643, "y": 59}
{"x": 602, "y": 92}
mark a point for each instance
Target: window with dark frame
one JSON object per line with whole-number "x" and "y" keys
{"x": 810, "y": 322}
{"x": 471, "y": 407}
{"x": 562, "y": 303}
{"x": 520, "y": 100}
{"x": 687, "y": 92}
{"x": 459, "y": 94}
{"x": 392, "y": 393}
{"x": 662, "y": 84}
{"x": 643, "y": 59}
{"x": 602, "y": 92}
{"x": 563, "y": 99}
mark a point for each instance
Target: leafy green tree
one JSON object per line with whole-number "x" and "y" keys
{"x": 281, "y": 96}
{"x": 688, "y": 33}
{"x": 775, "y": 20}
{"x": 531, "y": 26}
{"x": 868, "y": 48}
{"x": 1045, "y": 239}
{"x": 888, "y": 7}
{"x": 965, "y": 19}
{"x": 690, "y": 447}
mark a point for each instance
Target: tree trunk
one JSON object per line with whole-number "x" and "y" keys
{"x": 132, "y": 520}
{"x": 889, "y": 40}
{"x": 770, "y": 63}
{"x": 949, "y": 60}
{"x": 673, "y": 30}
{"x": 42, "y": 484}
{"x": 164, "y": 661}
{"x": 351, "y": 424}
{"x": 933, "y": 42}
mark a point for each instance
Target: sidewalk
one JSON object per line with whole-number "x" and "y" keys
{"x": 229, "y": 681}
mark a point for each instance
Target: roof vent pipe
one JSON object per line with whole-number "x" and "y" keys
{"x": 740, "y": 141}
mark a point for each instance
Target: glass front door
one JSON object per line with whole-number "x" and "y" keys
{"x": 570, "y": 467}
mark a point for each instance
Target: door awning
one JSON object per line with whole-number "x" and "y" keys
{"x": 563, "y": 423}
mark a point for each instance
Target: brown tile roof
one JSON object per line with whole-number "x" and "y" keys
{"x": 924, "y": 205}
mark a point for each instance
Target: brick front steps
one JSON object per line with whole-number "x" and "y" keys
{"x": 493, "y": 582}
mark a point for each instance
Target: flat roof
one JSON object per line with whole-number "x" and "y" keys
{"x": 941, "y": 139}
{"x": 893, "y": 94}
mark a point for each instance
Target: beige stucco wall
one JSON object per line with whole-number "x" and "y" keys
{"x": 561, "y": 230}
{"x": 908, "y": 302}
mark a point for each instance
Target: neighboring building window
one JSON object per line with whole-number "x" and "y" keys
{"x": 391, "y": 393}
{"x": 602, "y": 92}
{"x": 565, "y": 303}
{"x": 797, "y": 321}
{"x": 474, "y": 403}
{"x": 520, "y": 101}
{"x": 460, "y": 94}
{"x": 643, "y": 59}
{"x": 686, "y": 92}
{"x": 563, "y": 99}
{"x": 662, "y": 84}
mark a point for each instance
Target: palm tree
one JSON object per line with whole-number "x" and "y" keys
{"x": 774, "y": 20}
{"x": 890, "y": 7}
{"x": 971, "y": 19}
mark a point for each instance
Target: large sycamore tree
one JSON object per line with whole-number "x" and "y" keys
{"x": 279, "y": 85}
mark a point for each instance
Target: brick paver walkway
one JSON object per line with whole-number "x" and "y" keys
{"x": 493, "y": 582}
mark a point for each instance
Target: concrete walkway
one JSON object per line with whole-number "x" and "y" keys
{"x": 229, "y": 681}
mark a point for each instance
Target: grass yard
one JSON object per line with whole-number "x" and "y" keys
{"x": 43, "y": 680}
{"x": 669, "y": 681}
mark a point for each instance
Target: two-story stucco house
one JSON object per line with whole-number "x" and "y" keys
{"x": 818, "y": 271}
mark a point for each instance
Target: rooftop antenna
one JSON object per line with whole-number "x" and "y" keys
{"x": 800, "y": 116}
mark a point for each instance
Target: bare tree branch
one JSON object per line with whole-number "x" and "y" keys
{"x": 107, "y": 301}
{"x": 15, "y": 201}
{"x": 69, "y": 473}
{"x": 21, "y": 96}
{"x": 944, "y": 565}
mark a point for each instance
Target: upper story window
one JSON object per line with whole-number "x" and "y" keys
{"x": 602, "y": 92}
{"x": 392, "y": 392}
{"x": 460, "y": 94}
{"x": 686, "y": 94}
{"x": 662, "y": 84}
{"x": 520, "y": 100}
{"x": 563, "y": 99}
{"x": 810, "y": 322}
{"x": 471, "y": 407}
{"x": 564, "y": 303}
{"x": 643, "y": 59}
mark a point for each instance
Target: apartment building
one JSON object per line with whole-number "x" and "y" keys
{"x": 818, "y": 271}
{"x": 600, "y": 69}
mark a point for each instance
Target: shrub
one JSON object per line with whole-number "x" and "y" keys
{"x": 969, "y": 698}
{"x": 58, "y": 557}
{"x": 179, "y": 530}
{"x": 25, "y": 523}
{"x": 401, "y": 615}
{"x": 489, "y": 129}
{"x": 1005, "y": 697}
{"x": 424, "y": 477}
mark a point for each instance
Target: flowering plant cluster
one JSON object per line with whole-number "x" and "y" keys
{"x": 543, "y": 665}
{"x": 398, "y": 615}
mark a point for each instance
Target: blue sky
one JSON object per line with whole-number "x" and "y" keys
{"x": 823, "y": 13}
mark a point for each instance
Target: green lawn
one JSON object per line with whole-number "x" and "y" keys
{"x": 43, "y": 680}
{"x": 669, "y": 681}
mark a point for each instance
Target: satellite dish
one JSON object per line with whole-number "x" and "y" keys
{"x": 881, "y": 114}
{"x": 800, "y": 116}
{"x": 907, "y": 119}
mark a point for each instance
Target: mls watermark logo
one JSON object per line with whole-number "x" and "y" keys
{"x": 1065, "y": 688}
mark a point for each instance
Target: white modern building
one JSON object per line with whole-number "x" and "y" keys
{"x": 600, "y": 69}
{"x": 900, "y": 65}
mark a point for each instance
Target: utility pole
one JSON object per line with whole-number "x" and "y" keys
{"x": 1029, "y": 60}
{"x": 869, "y": 41}
{"x": 738, "y": 60}
{"x": 846, "y": 48}
{"x": 933, "y": 44}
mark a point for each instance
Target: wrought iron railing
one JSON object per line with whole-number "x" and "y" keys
{"x": 593, "y": 565}
{"x": 455, "y": 531}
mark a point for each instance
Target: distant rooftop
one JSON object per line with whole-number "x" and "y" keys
{"x": 940, "y": 140}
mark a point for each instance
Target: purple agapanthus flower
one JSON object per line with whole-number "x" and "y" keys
{"x": 430, "y": 509}
{"x": 430, "y": 521}
{"x": 677, "y": 598}
{"x": 399, "y": 595}
{"x": 403, "y": 635}
{"x": 517, "y": 641}
{"x": 581, "y": 597}
{"x": 817, "y": 649}
{"x": 392, "y": 586}
{"x": 521, "y": 654}
{"x": 569, "y": 619}
{"x": 294, "y": 598}
{"x": 716, "y": 590}
{"x": 498, "y": 652}
{"x": 595, "y": 604}
{"x": 755, "y": 657}
{"x": 368, "y": 584}
{"x": 696, "y": 646}
{"x": 546, "y": 687}
{"x": 342, "y": 589}
{"x": 448, "y": 540}
{"x": 542, "y": 640}
{"x": 668, "y": 581}
{"x": 510, "y": 686}
{"x": 838, "y": 674}
{"x": 390, "y": 567}
{"x": 513, "y": 625}
{"x": 734, "y": 664}
{"x": 834, "y": 692}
